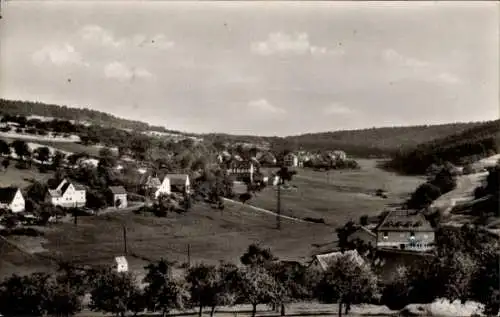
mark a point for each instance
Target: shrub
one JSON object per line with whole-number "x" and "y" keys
{"x": 315, "y": 220}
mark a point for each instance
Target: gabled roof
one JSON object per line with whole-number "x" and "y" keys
{"x": 117, "y": 190}
{"x": 365, "y": 229}
{"x": 404, "y": 220}
{"x": 324, "y": 260}
{"x": 7, "y": 194}
{"x": 153, "y": 181}
{"x": 63, "y": 186}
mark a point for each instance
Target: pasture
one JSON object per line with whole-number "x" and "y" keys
{"x": 21, "y": 177}
{"x": 212, "y": 235}
{"x": 338, "y": 195}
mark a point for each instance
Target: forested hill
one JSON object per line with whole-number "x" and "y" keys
{"x": 27, "y": 108}
{"x": 459, "y": 148}
{"x": 378, "y": 141}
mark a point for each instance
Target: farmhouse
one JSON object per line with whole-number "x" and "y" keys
{"x": 68, "y": 194}
{"x": 242, "y": 170}
{"x": 157, "y": 187}
{"x": 364, "y": 235}
{"x": 291, "y": 160}
{"x": 179, "y": 182}
{"x": 11, "y": 199}
{"x": 405, "y": 230}
{"x": 322, "y": 261}
{"x": 118, "y": 196}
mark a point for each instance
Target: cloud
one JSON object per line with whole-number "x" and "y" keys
{"x": 264, "y": 106}
{"x": 281, "y": 43}
{"x": 337, "y": 108}
{"x": 122, "y": 72}
{"x": 448, "y": 78}
{"x": 392, "y": 56}
{"x": 100, "y": 36}
{"x": 58, "y": 55}
{"x": 419, "y": 68}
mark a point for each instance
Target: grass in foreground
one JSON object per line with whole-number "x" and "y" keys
{"x": 211, "y": 235}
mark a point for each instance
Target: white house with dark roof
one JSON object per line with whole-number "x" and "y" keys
{"x": 118, "y": 196}
{"x": 11, "y": 199}
{"x": 405, "y": 230}
{"x": 68, "y": 194}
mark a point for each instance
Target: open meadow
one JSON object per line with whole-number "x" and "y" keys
{"x": 339, "y": 195}
{"x": 214, "y": 235}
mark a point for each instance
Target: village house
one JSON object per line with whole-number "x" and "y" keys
{"x": 11, "y": 199}
{"x": 291, "y": 160}
{"x": 405, "y": 230}
{"x": 118, "y": 196}
{"x": 179, "y": 183}
{"x": 364, "y": 235}
{"x": 321, "y": 262}
{"x": 68, "y": 194}
{"x": 156, "y": 187}
{"x": 243, "y": 171}
{"x": 120, "y": 264}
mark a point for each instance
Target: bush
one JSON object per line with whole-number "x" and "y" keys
{"x": 315, "y": 220}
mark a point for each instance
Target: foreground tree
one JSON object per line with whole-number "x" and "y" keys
{"x": 293, "y": 282}
{"x": 24, "y": 295}
{"x": 347, "y": 281}
{"x": 112, "y": 292}
{"x": 63, "y": 299}
{"x": 211, "y": 286}
{"x": 258, "y": 286}
{"x": 163, "y": 292}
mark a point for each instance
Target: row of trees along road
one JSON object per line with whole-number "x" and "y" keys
{"x": 260, "y": 280}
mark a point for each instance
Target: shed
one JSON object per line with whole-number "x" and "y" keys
{"x": 121, "y": 264}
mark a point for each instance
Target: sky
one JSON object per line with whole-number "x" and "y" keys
{"x": 261, "y": 68}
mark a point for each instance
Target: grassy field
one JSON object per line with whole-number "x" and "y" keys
{"x": 213, "y": 236}
{"x": 21, "y": 178}
{"x": 340, "y": 195}
{"x": 63, "y": 146}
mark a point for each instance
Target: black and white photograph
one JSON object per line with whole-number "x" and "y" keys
{"x": 249, "y": 158}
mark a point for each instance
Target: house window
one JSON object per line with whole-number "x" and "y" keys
{"x": 386, "y": 235}
{"x": 412, "y": 235}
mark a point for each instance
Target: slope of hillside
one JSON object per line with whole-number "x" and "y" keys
{"x": 379, "y": 141}
{"x": 28, "y": 108}
{"x": 479, "y": 141}
{"x": 373, "y": 142}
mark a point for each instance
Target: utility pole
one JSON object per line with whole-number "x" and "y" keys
{"x": 125, "y": 240}
{"x": 278, "y": 207}
{"x": 189, "y": 255}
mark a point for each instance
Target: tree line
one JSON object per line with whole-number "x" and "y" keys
{"x": 261, "y": 279}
